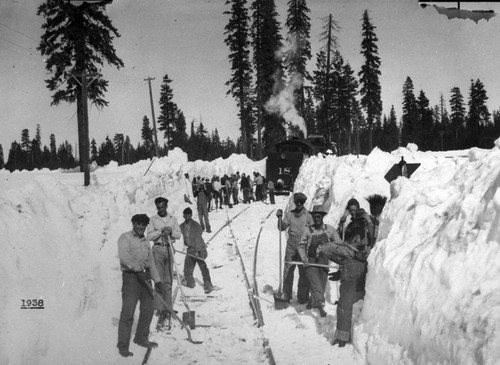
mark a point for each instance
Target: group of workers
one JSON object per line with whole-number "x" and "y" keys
{"x": 314, "y": 243}
{"x": 140, "y": 264}
{"x": 310, "y": 242}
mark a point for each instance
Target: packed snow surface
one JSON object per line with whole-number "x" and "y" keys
{"x": 432, "y": 288}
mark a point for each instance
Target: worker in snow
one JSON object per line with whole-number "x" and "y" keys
{"x": 163, "y": 231}
{"x": 351, "y": 256}
{"x": 196, "y": 252}
{"x": 202, "y": 206}
{"x": 138, "y": 268}
{"x": 315, "y": 236}
{"x": 295, "y": 221}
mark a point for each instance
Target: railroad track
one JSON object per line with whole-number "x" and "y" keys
{"x": 234, "y": 246}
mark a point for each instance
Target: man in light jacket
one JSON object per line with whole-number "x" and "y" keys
{"x": 137, "y": 265}
{"x": 163, "y": 230}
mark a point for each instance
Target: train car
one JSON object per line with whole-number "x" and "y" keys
{"x": 284, "y": 161}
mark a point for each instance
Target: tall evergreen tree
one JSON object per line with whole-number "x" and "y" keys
{"x": 179, "y": 136}
{"x": 299, "y": 53}
{"x": 54, "y": 159}
{"x": 77, "y": 41}
{"x": 94, "y": 154}
{"x": 118, "y": 144}
{"x": 268, "y": 70}
{"x": 425, "y": 137}
{"x": 168, "y": 109}
{"x": 478, "y": 116}
{"x": 409, "y": 130}
{"x": 147, "y": 136}
{"x": 369, "y": 76}
{"x": 238, "y": 41}
{"x": 457, "y": 117}
{"x": 330, "y": 44}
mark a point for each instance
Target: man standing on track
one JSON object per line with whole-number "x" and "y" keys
{"x": 163, "y": 230}
{"x": 137, "y": 265}
{"x": 314, "y": 237}
{"x": 296, "y": 222}
{"x": 196, "y": 251}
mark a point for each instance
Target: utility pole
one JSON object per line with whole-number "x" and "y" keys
{"x": 153, "y": 114}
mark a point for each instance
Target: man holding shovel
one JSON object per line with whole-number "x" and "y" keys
{"x": 296, "y": 222}
{"x": 163, "y": 230}
{"x": 315, "y": 236}
{"x": 196, "y": 252}
{"x": 137, "y": 265}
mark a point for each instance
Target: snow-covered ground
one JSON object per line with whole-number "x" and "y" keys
{"x": 432, "y": 289}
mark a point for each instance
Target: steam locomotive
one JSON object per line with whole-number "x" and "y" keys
{"x": 285, "y": 158}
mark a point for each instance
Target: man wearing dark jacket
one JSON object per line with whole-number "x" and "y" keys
{"x": 196, "y": 251}
{"x": 137, "y": 265}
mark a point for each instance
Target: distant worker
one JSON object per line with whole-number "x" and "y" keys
{"x": 138, "y": 268}
{"x": 196, "y": 251}
{"x": 296, "y": 222}
{"x": 202, "y": 207}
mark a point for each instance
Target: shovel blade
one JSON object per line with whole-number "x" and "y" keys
{"x": 189, "y": 319}
{"x": 187, "y": 200}
{"x": 280, "y": 303}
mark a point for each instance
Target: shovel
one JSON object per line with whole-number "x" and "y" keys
{"x": 187, "y": 317}
{"x": 186, "y": 196}
{"x": 280, "y": 303}
{"x": 173, "y": 313}
{"x": 188, "y": 254}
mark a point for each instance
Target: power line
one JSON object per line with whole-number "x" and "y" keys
{"x": 17, "y": 31}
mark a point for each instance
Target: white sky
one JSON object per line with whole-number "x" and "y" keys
{"x": 184, "y": 39}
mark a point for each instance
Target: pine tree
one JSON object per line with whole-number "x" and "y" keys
{"x": 457, "y": 116}
{"x": 147, "y": 137}
{"x": 369, "y": 76}
{"x": 425, "y": 136}
{"x": 54, "y": 159}
{"x": 94, "y": 155}
{"x": 168, "y": 109}
{"x": 118, "y": 142}
{"x": 76, "y": 42}
{"x": 238, "y": 41}
{"x": 268, "y": 70}
{"x": 299, "y": 26}
{"x": 410, "y": 113}
{"x": 179, "y": 136}
{"x": 478, "y": 116}
{"x": 330, "y": 44}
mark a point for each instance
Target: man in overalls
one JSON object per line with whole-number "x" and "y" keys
{"x": 314, "y": 237}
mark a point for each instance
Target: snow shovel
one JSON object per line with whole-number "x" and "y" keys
{"x": 187, "y": 317}
{"x": 174, "y": 314}
{"x": 279, "y": 302}
{"x": 186, "y": 196}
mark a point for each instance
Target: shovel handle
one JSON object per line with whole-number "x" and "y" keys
{"x": 311, "y": 264}
{"x": 187, "y": 254}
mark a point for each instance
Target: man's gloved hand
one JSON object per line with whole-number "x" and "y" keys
{"x": 159, "y": 287}
{"x": 141, "y": 277}
{"x": 334, "y": 276}
{"x": 305, "y": 262}
{"x": 279, "y": 213}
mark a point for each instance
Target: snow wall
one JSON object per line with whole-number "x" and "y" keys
{"x": 58, "y": 239}
{"x": 433, "y": 287}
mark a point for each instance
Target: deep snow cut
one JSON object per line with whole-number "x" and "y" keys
{"x": 432, "y": 287}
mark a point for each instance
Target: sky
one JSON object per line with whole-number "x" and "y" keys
{"x": 185, "y": 39}
{"x": 432, "y": 290}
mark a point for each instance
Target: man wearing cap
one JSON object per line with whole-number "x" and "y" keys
{"x": 137, "y": 265}
{"x": 296, "y": 222}
{"x": 196, "y": 251}
{"x": 163, "y": 231}
{"x": 315, "y": 236}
